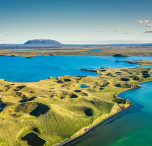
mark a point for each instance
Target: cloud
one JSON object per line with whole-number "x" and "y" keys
{"x": 119, "y": 29}
{"x": 148, "y": 31}
{"x": 99, "y": 31}
{"x": 142, "y": 21}
{"x": 130, "y": 32}
{"x": 148, "y": 25}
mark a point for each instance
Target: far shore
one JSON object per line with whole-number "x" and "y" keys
{"x": 82, "y": 50}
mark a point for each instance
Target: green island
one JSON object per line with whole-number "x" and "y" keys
{"x": 62, "y": 108}
{"x": 140, "y": 62}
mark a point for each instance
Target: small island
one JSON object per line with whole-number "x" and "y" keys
{"x": 139, "y": 62}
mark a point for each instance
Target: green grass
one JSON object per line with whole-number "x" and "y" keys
{"x": 54, "y": 113}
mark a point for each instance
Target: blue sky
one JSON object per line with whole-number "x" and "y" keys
{"x": 76, "y": 21}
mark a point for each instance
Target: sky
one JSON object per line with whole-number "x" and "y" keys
{"x": 76, "y": 21}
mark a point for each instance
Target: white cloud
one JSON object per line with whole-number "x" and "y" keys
{"x": 119, "y": 29}
{"x": 99, "y": 31}
{"x": 148, "y": 31}
{"x": 142, "y": 21}
{"x": 148, "y": 25}
{"x": 130, "y": 32}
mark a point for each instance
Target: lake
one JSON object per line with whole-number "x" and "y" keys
{"x": 21, "y": 69}
{"x": 94, "y": 51}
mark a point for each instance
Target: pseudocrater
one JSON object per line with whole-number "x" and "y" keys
{"x": 33, "y": 139}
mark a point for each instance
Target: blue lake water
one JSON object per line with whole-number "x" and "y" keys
{"x": 94, "y": 51}
{"x": 84, "y": 86}
{"x": 21, "y": 69}
{"x": 147, "y": 66}
{"x": 131, "y": 128}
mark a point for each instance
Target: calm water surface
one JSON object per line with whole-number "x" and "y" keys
{"x": 84, "y": 86}
{"x": 147, "y": 66}
{"x": 94, "y": 51}
{"x": 21, "y": 69}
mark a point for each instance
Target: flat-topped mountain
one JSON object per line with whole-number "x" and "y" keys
{"x": 42, "y": 42}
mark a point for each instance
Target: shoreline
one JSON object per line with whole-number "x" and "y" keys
{"x": 82, "y": 69}
{"x": 68, "y": 141}
{"x": 96, "y": 55}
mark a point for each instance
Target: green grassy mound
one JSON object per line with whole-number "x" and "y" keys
{"x": 32, "y": 108}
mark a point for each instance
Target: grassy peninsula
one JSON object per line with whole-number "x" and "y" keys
{"x": 65, "y": 107}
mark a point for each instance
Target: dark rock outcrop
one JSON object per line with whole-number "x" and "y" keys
{"x": 120, "y": 55}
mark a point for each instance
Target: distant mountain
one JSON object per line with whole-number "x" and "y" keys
{"x": 43, "y": 42}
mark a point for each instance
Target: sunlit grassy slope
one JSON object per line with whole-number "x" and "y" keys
{"x": 57, "y": 108}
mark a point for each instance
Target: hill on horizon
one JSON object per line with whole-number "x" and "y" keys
{"x": 43, "y": 42}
